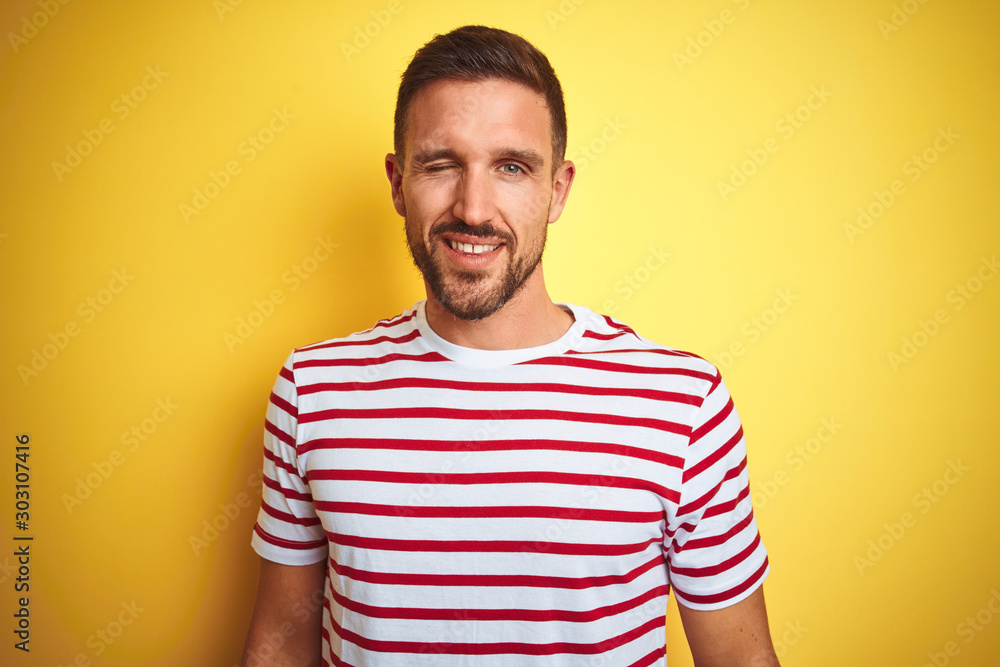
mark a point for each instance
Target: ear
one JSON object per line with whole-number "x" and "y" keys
{"x": 394, "y": 171}
{"x": 562, "y": 181}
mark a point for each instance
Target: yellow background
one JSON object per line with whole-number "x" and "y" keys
{"x": 662, "y": 133}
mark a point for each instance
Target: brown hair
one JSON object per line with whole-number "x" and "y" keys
{"x": 477, "y": 53}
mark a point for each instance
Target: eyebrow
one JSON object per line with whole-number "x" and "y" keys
{"x": 530, "y": 157}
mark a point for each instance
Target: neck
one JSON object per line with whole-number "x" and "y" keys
{"x": 529, "y": 319}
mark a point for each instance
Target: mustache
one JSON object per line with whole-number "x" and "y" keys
{"x": 485, "y": 230}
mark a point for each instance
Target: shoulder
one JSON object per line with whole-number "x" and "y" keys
{"x": 385, "y": 337}
{"x": 608, "y": 338}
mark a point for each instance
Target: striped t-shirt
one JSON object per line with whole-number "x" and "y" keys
{"x": 512, "y": 507}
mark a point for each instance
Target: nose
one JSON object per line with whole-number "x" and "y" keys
{"x": 474, "y": 199}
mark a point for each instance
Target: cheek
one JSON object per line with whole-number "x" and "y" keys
{"x": 428, "y": 201}
{"x": 531, "y": 205}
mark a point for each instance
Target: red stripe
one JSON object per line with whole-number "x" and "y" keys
{"x": 528, "y": 615}
{"x": 492, "y": 446}
{"x": 282, "y": 404}
{"x": 713, "y": 570}
{"x": 280, "y": 463}
{"x": 457, "y": 413}
{"x": 717, "y": 455}
{"x": 728, "y": 506}
{"x": 716, "y": 381}
{"x": 651, "y": 657}
{"x": 279, "y": 434}
{"x": 287, "y": 374}
{"x": 601, "y": 336}
{"x": 547, "y": 387}
{"x": 594, "y": 364}
{"x": 287, "y": 517}
{"x": 366, "y": 361}
{"x": 349, "y": 342}
{"x": 669, "y": 352}
{"x": 388, "y": 323}
{"x": 288, "y": 493}
{"x": 715, "y": 540}
{"x": 488, "y": 546}
{"x": 684, "y": 527}
{"x": 287, "y": 544}
{"x": 620, "y": 326}
{"x": 695, "y": 505}
{"x": 526, "y": 477}
{"x": 491, "y": 512}
{"x": 728, "y": 594}
{"x": 496, "y": 648}
{"x": 497, "y": 580}
{"x": 710, "y": 425}
{"x": 335, "y": 660}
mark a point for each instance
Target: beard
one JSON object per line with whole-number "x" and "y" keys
{"x": 474, "y": 295}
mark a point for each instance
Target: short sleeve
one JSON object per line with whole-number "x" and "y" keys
{"x": 287, "y": 529}
{"x": 715, "y": 554}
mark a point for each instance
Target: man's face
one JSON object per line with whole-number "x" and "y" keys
{"x": 478, "y": 191}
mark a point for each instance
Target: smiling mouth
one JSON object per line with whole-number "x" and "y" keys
{"x": 471, "y": 248}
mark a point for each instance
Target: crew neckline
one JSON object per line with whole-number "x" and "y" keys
{"x": 470, "y": 356}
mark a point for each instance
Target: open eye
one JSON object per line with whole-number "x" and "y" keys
{"x": 511, "y": 168}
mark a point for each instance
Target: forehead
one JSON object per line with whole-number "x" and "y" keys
{"x": 493, "y": 112}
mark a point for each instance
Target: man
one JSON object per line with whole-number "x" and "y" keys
{"x": 492, "y": 478}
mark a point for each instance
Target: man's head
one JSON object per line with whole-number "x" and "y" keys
{"x": 475, "y": 174}
{"x": 477, "y": 53}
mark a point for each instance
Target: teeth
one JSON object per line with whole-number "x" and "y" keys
{"x": 471, "y": 249}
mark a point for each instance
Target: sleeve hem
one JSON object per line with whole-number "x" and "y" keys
{"x": 713, "y": 602}
{"x": 287, "y": 556}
